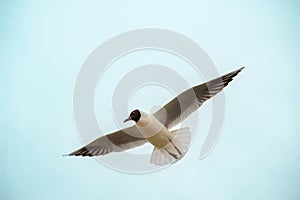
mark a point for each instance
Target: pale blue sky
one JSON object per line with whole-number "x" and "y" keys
{"x": 43, "y": 46}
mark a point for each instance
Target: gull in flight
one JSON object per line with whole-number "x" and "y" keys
{"x": 169, "y": 146}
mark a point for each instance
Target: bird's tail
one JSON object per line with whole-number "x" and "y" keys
{"x": 173, "y": 151}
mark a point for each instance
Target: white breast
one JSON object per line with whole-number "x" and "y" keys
{"x": 149, "y": 126}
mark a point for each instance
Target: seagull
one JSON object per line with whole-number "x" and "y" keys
{"x": 169, "y": 146}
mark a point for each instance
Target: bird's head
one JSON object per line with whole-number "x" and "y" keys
{"x": 134, "y": 115}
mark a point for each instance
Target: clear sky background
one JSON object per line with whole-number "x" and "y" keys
{"x": 42, "y": 47}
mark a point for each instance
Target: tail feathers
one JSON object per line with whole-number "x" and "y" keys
{"x": 175, "y": 150}
{"x": 161, "y": 157}
{"x": 182, "y": 139}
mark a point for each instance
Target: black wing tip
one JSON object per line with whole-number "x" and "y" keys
{"x": 81, "y": 152}
{"x": 240, "y": 69}
{"x": 237, "y": 71}
{"x": 231, "y": 75}
{"x": 227, "y": 78}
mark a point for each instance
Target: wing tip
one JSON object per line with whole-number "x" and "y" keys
{"x": 240, "y": 69}
{"x": 80, "y": 152}
{"x": 229, "y": 77}
{"x": 234, "y": 73}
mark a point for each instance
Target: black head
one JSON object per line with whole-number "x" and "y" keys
{"x": 134, "y": 115}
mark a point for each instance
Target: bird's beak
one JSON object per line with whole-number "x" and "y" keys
{"x": 126, "y": 120}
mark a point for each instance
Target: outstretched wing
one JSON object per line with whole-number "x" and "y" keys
{"x": 190, "y": 100}
{"x": 114, "y": 142}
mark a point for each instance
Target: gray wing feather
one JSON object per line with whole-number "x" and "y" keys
{"x": 190, "y": 100}
{"x": 114, "y": 142}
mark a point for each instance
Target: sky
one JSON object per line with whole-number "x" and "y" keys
{"x": 44, "y": 45}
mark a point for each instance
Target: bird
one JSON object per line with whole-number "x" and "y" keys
{"x": 168, "y": 146}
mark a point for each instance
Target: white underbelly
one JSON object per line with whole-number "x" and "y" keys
{"x": 155, "y": 132}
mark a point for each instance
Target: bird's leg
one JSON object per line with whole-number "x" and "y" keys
{"x": 173, "y": 155}
{"x": 175, "y": 147}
